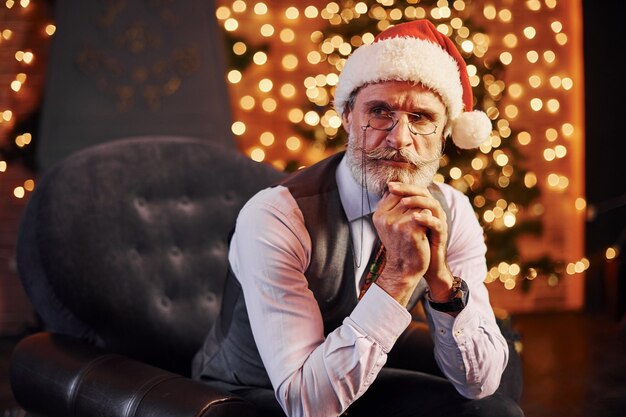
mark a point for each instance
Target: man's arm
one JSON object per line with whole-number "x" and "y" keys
{"x": 311, "y": 375}
{"x": 412, "y": 225}
{"x": 469, "y": 348}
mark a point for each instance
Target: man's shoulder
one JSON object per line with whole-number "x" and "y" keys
{"x": 274, "y": 198}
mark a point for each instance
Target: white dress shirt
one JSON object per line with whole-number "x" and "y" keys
{"x": 316, "y": 375}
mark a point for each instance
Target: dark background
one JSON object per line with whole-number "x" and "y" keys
{"x": 574, "y": 362}
{"x": 605, "y": 118}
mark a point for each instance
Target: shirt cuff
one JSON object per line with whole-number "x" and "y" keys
{"x": 381, "y": 317}
{"x": 451, "y": 330}
{"x": 442, "y": 323}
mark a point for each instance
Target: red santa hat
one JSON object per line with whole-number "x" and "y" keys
{"x": 417, "y": 51}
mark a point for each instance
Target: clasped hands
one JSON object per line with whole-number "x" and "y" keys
{"x": 412, "y": 225}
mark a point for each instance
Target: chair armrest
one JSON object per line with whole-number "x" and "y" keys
{"x": 53, "y": 375}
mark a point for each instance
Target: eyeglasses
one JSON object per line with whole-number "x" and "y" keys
{"x": 386, "y": 121}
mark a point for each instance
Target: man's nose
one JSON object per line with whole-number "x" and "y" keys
{"x": 400, "y": 136}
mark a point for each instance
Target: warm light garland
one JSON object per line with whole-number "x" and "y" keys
{"x": 535, "y": 47}
{"x": 301, "y": 65}
{"x": 17, "y": 97}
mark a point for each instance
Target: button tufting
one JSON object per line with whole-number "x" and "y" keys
{"x": 175, "y": 251}
{"x": 219, "y": 249}
{"x": 143, "y": 209}
{"x": 229, "y": 196}
{"x": 134, "y": 254}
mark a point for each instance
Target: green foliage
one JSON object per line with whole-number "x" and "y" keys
{"x": 492, "y": 187}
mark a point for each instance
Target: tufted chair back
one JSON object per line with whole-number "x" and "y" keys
{"x": 124, "y": 244}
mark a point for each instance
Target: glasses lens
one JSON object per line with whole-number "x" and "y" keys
{"x": 381, "y": 122}
{"x": 423, "y": 127}
{"x": 417, "y": 124}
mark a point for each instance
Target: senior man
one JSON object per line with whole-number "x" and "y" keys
{"x": 326, "y": 266}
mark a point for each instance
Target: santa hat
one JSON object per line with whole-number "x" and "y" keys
{"x": 417, "y": 51}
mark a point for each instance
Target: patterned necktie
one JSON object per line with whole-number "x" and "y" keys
{"x": 376, "y": 266}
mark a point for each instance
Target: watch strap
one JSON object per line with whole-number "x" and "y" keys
{"x": 458, "y": 298}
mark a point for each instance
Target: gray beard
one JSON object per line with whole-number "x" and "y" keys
{"x": 374, "y": 176}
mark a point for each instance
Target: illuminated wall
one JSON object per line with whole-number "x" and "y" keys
{"x": 536, "y": 105}
{"x": 539, "y": 98}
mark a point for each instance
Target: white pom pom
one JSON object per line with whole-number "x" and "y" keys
{"x": 471, "y": 129}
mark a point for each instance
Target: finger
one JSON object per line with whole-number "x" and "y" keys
{"x": 415, "y": 197}
{"x": 393, "y": 230}
{"x": 437, "y": 226}
{"x": 404, "y": 189}
{"x": 389, "y": 201}
{"x": 425, "y": 218}
{"x": 395, "y": 220}
{"x": 423, "y": 203}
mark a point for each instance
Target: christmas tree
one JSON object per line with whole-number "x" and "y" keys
{"x": 501, "y": 190}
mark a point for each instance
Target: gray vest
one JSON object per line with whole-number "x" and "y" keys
{"x": 229, "y": 353}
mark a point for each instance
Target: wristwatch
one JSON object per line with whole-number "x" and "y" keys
{"x": 458, "y": 298}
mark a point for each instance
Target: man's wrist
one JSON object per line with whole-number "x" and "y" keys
{"x": 457, "y": 298}
{"x": 439, "y": 287}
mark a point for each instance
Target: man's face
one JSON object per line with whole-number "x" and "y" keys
{"x": 378, "y": 156}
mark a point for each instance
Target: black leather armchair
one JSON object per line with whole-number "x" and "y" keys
{"x": 123, "y": 251}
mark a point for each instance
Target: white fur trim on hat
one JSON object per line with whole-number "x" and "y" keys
{"x": 402, "y": 59}
{"x": 406, "y": 58}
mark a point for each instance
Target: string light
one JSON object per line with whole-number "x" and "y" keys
{"x": 302, "y": 62}
{"x": 21, "y": 89}
{"x": 611, "y": 253}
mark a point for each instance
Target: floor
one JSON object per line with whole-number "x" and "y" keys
{"x": 574, "y": 366}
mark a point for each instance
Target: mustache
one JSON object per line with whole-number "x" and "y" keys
{"x": 398, "y": 155}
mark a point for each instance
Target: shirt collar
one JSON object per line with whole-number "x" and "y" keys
{"x": 353, "y": 197}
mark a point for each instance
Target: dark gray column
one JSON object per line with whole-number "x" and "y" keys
{"x": 123, "y": 68}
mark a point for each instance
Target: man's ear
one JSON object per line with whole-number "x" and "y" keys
{"x": 346, "y": 119}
